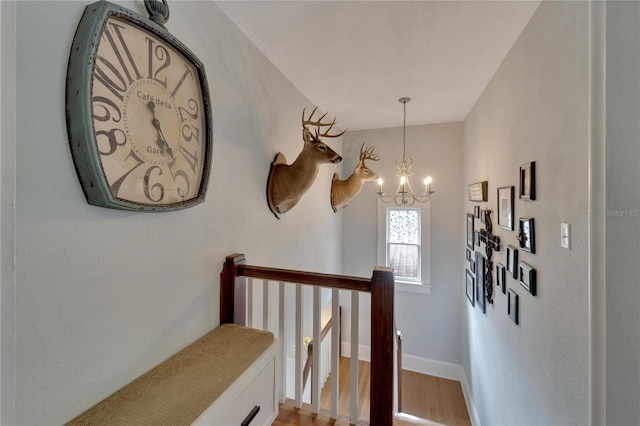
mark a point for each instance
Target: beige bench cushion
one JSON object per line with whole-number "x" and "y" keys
{"x": 181, "y": 388}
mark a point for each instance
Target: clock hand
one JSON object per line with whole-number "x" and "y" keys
{"x": 162, "y": 142}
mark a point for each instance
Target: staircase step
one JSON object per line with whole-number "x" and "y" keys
{"x": 290, "y": 415}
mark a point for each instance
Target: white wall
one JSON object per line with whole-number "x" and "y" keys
{"x": 535, "y": 109}
{"x": 430, "y": 323}
{"x": 7, "y": 154}
{"x": 623, "y": 213}
{"x": 104, "y": 295}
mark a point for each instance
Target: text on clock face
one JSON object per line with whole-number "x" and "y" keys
{"x": 149, "y": 98}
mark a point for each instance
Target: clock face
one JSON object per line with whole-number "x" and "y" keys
{"x": 149, "y": 117}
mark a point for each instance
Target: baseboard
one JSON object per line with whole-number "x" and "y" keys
{"x": 364, "y": 352}
{"x": 431, "y": 367}
{"x": 468, "y": 399}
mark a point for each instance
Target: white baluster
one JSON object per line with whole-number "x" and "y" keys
{"x": 317, "y": 348}
{"x": 250, "y": 302}
{"x": 355, "y": 310}
{"x": 281, "y": 337}
{"x": 265, "y": 304}
{"x": 335, "y": 355}
{"x": 299, "y": 349}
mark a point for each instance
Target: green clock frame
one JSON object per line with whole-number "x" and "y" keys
{"x": 79, "y": 114}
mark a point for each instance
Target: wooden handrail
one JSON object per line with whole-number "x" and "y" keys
{"x": 381, "y": 287}
{"x": 343, "y": 282}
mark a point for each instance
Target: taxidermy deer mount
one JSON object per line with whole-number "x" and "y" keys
{"x": 287, "y": 183}
{"x": 343, "y": 191}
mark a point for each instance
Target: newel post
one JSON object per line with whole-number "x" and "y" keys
{"x": 231, "y": 302}
{"x": 382, "y": 339}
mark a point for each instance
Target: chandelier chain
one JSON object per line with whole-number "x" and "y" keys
{"x": 404, "y": 131}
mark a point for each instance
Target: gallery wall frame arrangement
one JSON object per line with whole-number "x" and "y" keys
{"x": 480, "y": 288}
{"x": 527, "y": 277}
{"x": 512, "y": 261}
{"x": 470, "y": 288}
{"x": 526, "y": 235}
{"x": 505, "y": 207}
{"x": 478, "y": 192}
{"x": 501, "y": 277}
{"x": 527, "y": 182}
{"x": 512, "y": 306}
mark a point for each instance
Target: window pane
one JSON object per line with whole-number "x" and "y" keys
{"x": 403, "y": 259}
{"x": 403, "y": 226}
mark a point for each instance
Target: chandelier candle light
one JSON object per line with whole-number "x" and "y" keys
{"x": 404, "y": 195}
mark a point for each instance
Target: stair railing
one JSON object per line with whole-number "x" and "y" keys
{"x": 236, "y": 306}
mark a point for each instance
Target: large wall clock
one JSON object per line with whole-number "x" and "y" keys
{"x": 138, "y": 111}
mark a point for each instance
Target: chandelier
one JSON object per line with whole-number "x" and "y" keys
{"x": 404, "y": 195}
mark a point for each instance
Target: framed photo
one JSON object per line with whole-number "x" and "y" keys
{"x": 468, "y": 255}
{"x": 471, "y": 294}
{"x": 470, "y": 236}
{"x": 512, "y": 261}
{"x": 480, "y": 290}
{"x": 528, "y": 181}
{"x": 478, "y": 191}
{"x": 472, "y": 265}
{"x": 476, "y": 237}
{"x": 526, "y": 235}
{"x": 476, "y": 211}
{"x": 505, "y": 207}
{"x": 528, "y": 277}
{"x": 500, "y": 277}
{"x": 512, "y": 306}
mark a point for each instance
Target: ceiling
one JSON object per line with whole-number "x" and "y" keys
{"x": 355, "y": 59}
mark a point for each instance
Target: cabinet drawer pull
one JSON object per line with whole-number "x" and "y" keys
{"x": 250, "y": 416}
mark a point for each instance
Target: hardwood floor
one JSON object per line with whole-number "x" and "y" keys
{"x": 439, "y": 401}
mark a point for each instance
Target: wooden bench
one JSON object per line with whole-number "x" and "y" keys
{"x": 227, "y": 377}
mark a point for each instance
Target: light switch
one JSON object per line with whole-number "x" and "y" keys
{"x": 565, "y": 235}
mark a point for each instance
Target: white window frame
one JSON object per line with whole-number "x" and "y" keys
{"x": 423, "y": 283}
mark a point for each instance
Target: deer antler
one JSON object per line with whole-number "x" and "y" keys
{"x": 367, "y": 154}
{"x": 318, "y": 123}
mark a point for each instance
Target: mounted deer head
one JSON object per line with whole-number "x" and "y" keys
{"x": 343, "y": 191}
{"x": 287, "y": 183}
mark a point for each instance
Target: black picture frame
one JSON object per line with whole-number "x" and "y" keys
{"x": 476, "y": 237}
{"x": 512, "y": 306}
{"x": 468, "y": 255}
{"x": 476, "y": 211}
{"x": 512, "y": 261}
{"x": 505, "y": 207}
{"x": 501, "y": 277}
{"x": 470, "y": 288}
{"x": 470, "y": 236}
{"x": 480, "y": 289}
{"x": 527, "y": 182}
{"x": 527, "y": 235}
{"x": 527, "y": 277}
{"x": 472, "y": 265}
